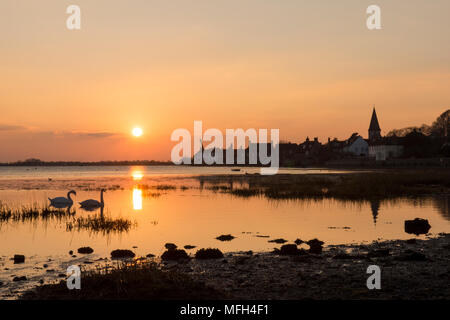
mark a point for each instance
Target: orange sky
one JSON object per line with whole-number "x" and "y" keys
{"x": 305, "y": 67}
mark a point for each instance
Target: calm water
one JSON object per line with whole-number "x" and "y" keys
{"x": 194, "y": 216}
{"x": 189, "y": 214}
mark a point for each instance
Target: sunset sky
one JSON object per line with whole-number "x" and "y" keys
{"x": 309, "y": 68}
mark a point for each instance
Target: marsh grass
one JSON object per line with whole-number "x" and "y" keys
{"x": 138, "y": 279}
{"x": 31, "y": 213}
{"x": 350, "y": 186}
{"x": 99, "y": 223}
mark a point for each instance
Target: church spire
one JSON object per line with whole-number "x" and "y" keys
{"x": 374, "y": 127}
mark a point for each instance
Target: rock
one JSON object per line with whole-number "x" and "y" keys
{"x": 188, "y": 247}
{"x": 19, "y": 258}
{"x": 174, "y": 254}
{"x": 280, "y": 241}
{"x": 45, "y": 265}
{"x": 85, "y": 250}
{"x": 225, "y": 237}
{"x": 1, "y": 283}
{"x": 61, "y": 275}
{"x": 288, "y": 249}
{"x": 150, "y": 255}
{"x": 170, "y": 246}
{"x": 208, "y": 254}
{"x": 299, "y": 241}
{"x": 71, "y": 252}
{"x": 315, "y": 246}
{"x": 22, "y": 278}
{"x": 377, "y": 253}
{"x": 417, "y": 226}
{"x": 122, "y": 253}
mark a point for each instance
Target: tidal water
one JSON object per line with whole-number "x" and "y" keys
{"x": 185, "y": 212}
{"x": 170, "y": 204}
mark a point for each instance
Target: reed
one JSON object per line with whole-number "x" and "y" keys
{"x": 99, "y": 223}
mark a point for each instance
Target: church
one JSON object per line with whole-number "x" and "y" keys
{"x": 382, "y": 148}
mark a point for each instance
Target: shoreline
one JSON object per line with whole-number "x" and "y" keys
{"x": 412, "y": 269}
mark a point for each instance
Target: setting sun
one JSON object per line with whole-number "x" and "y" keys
{"x": 137, "y": 132}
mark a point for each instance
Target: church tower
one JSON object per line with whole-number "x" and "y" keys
{"x": 374, "y": 128}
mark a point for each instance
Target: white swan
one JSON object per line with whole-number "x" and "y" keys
{"x": 61, "y": 201}
{"x": 91, "y": 203}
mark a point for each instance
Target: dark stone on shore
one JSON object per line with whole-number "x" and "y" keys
{"x": 411, "y": 241}
{"x": 225, "y": 237}
{"x": 71, "y": 252}
{"x": 174, "y": 254}
{"x": 208, "y": 254}
{"x": 150, "y": 255}
{"x": 410, "y": 255}
{"x": 1, "y": 283}
{"x": 85, "y": 250}
{"x": 170, "y": 246}
{"x": 417, "y": 226}
{"x": 122, "y": 253}
{"x": 22, "y": 278}
{"x": 299, "y": 241}
{"x": 189, "y": 247}
{"x": 19, "y": 258}
{"x": 315, "y": 246}
{"x": 378, "y": 253}
{"x": 280, "y": 241}
{"x": 288, "y": 249}
{"x": 45, "y": 265}
{"x": 61, "y": 275}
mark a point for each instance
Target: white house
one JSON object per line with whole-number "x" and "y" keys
{"x": 357, "y": 146}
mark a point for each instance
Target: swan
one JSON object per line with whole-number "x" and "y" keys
{"x": 61, "y": 201}
{"x": 91, "y": 203}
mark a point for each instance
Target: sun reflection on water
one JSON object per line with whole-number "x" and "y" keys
{"x": 137, "y": 175}
{"x": 137, "y": 199}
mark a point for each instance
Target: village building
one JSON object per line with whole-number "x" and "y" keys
{"x": 382, "y": 148}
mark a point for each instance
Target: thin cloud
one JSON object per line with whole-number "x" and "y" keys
{"x": 7, "y": 127}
